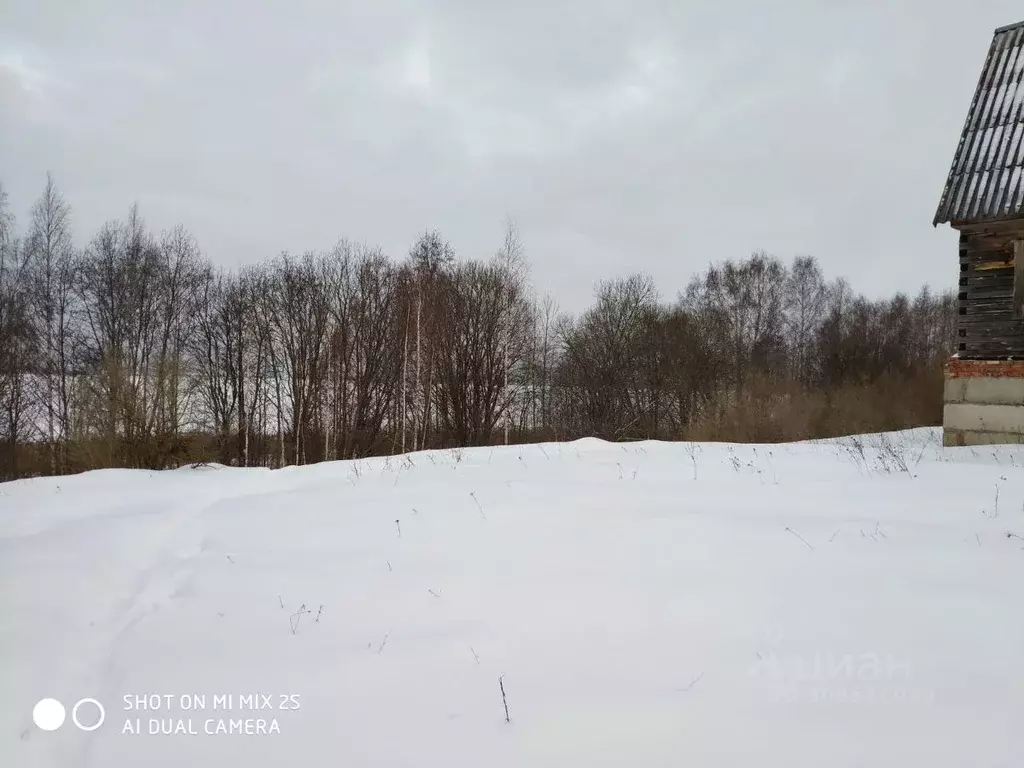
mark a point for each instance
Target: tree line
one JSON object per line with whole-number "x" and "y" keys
{"x": 134, "y": 350}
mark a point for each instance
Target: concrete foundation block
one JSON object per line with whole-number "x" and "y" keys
{"x": 995, "y": 391}
{"x": 982, "y": 417}
{"x": 955, "y": 390}
{"x": 983, "y": 404}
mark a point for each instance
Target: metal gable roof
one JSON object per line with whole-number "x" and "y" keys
{"x": 986, "y": 180}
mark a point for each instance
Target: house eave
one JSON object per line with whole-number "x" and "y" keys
{"x": 1000, "y": 222}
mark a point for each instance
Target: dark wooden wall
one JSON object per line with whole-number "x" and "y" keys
{"x": 991, "y": 325}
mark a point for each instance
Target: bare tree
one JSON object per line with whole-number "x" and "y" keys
{"x": 363, "y": 360}
{"x": 483, "y": 334}
{"x": 543, "y": 361}
{"x": 50, "y": 275}
{"x": 137, "y": 295}
{"x": 17, "y": 345}
{"x": 181, "y": 276}
{"x": 431, "y": 258}
{"x": 511, "y": 263}
{"x": 600, "y": 371}
{"x": 299, "y": 314}
{"x": 747, "y": 297}
{"x": 805, "y": 296}
{"x": 215, "y": 348}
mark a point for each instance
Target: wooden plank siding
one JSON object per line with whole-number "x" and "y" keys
{"x": 991, "y": 293}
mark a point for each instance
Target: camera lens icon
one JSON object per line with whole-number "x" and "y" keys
{"x": 49, "y": 714}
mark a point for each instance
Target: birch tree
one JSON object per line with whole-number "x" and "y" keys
{"x": 50, "y": 273}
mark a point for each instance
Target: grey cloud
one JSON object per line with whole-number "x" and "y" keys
{"x": 650, "y": 135}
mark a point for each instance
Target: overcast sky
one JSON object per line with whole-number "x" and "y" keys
{"x": 642, "y": 135}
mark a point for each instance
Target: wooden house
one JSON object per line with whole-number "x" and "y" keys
{"x": 983, "y": 200}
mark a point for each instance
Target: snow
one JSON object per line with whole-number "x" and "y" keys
{"x": 829, "y": 603}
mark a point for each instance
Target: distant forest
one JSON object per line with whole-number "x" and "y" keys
{"x": 131, "y": 349}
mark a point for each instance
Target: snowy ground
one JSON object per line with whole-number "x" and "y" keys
{"x": 649, "y": 604}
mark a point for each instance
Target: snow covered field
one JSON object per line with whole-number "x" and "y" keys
{"x": 646, "y": 604}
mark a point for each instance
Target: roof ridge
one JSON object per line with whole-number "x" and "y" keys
{"x": 1009, "y": 27}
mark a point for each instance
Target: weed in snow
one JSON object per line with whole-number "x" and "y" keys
{"x": 293, "y": 620}
{"x": 771, "y": 466}
{"x": 853, "y": 449}
{"x": 799, "y": 537}
{"x": 692, "y": 683}
{"x": 693, "y": 451}
{"x": 892, "y": 455}
{"x": 478, "y": 505}
{"x": 504, "y": 701}
{"x": 355, "y": 472}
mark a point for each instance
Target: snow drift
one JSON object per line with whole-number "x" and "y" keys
{"x": 840, "y": 603}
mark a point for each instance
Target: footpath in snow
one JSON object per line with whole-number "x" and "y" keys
{"x": 839, "y": 603}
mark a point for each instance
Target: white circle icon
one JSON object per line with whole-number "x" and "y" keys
{"x": 94, "y": 726}
{"x": 48, "y": 714}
